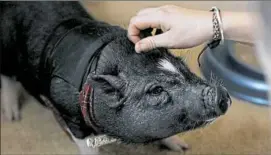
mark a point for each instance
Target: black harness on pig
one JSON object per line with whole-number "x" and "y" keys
{"x": 83, "y": 52}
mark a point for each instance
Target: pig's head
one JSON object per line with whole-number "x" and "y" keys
{"x": 145, "y": 97}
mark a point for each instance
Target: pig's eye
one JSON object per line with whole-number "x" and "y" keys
{"x": 157, "y": 90}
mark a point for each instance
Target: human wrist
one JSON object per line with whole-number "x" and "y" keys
{"x": 210, "y": 30}
{"x": 205, "y": 24}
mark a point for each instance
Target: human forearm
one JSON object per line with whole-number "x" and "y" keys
{"x": 239, "y": 26}
{"x": 186, "y": 28}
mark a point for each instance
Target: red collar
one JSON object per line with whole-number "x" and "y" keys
{"x": 85, "y": 101}
{"x": 86, "y": 94}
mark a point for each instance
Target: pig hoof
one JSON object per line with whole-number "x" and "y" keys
{"x": 174, "y": 143}
{"x": 10, "y": 111}
{"x": 10, "y": 95}
{"x": 8, "y": 117}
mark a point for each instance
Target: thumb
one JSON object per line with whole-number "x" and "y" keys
{"x": 151, "y": 42}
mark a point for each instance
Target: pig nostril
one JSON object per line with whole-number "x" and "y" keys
{"x": 223, "y": 104}
{"x": 224, "y": 100}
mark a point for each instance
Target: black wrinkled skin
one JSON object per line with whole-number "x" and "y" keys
{"x": 134, "y": 99}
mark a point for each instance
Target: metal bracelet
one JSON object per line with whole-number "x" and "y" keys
{"x": 217, "y": 25}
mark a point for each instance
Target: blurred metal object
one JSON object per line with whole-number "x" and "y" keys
{"x": 246, "y": 81}
{"x": 263, "y": 38}
{"x": 244, "y": 55}
{"x": 242, "y": 82}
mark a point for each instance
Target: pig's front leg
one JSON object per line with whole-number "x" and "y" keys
{"x": 174, "y": 143}
{"x": 65, "y": 96}
{"x": 82, "y": 145}
{"x": 12, "y": 94}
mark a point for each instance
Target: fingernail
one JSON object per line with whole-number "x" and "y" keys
{"x": 137, "y": 48}
{"x": 141, "y": 47}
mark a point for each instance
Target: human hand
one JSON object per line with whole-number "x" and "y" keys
{"x": 182, "y": 28}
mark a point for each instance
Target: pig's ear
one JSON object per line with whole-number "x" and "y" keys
{"x": 112, "y": 86}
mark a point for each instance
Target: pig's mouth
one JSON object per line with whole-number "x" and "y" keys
{"x": 211, "y": 120}
{"x": 191, "y": 124}
{"x": 198, "y": 124}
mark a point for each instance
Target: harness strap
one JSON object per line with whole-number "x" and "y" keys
{"x": 86, "y": 97}
{"x": 74, "y": 56}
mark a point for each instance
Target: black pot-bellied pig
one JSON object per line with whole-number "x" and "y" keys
{"x": 97, "y": 82}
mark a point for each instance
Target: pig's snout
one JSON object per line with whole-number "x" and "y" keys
{"x": 223, "y": 99}
{"x": 217, "y": 99}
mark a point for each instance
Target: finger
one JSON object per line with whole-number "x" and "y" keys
{"x": 152, "y": 42}
{"x": 156, "y": 9}
{"x": 146, "y": 11}
{"x": 139, "y": 23}
{"x": 168, "y": 7}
